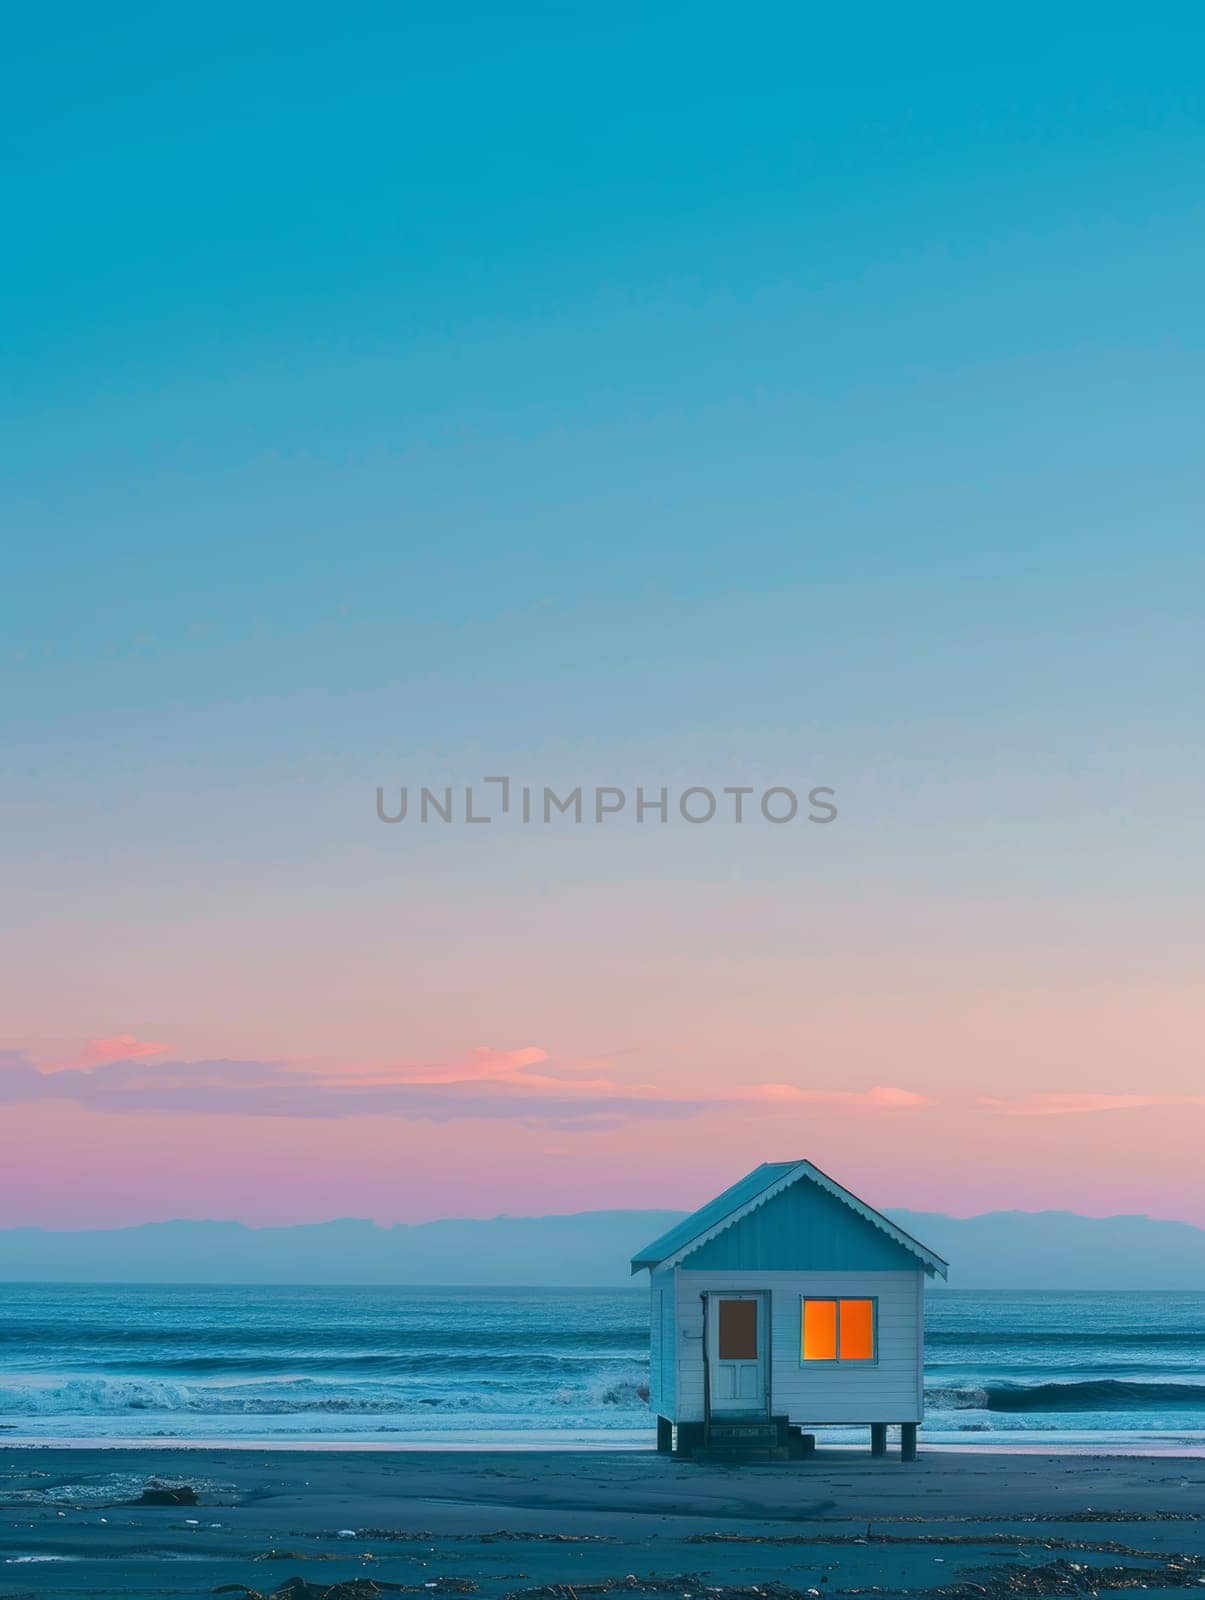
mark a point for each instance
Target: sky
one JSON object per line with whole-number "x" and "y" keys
{"x": 602, "y": 396}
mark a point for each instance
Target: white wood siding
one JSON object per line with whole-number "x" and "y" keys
{"x": 889, "y": 1390}
{"x": 662, "y": 1345}
{"x": 656, "y": 1348}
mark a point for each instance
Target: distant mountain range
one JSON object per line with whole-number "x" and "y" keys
{"x": 999, "y": 1250}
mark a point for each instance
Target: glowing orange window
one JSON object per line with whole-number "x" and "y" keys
{"x": 819, "y": 1330}
{"x": 857, "y": 1330}
{"x": 838, "y": 1330}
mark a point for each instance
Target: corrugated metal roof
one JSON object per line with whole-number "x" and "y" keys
{"x": 747, "y": 1195}
{"x": 719, "y": 1210}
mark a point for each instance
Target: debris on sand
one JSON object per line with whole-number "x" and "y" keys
{"x": 1073, "y": 1578}
{"x": 1054, "y": 1580}
{"x": 273, "y": 1554}
{"x": 684, "y": 1585}
{"x": 350, "y": 1589}
{"x": 161, "y": 1494}
{"x": 1013, "y": 1541}
{"x": 299, "y": 1589}
{"x": 425, "y": 1536}
{"x": 1060, "y": 1579}
{"x": 1088, "y": 1514}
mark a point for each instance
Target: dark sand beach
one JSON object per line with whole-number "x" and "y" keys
{"x": 969, "y": 1526}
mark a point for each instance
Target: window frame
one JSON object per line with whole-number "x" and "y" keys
{"x": 837, "y": 1361}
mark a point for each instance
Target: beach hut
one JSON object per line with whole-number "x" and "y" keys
{"x": 785, "y": 1303}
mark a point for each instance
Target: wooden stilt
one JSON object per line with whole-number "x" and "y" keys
{"x": 665, "y": 1436}
{"x": 878, "y": 1438}
{"x": 907, "y": 1441}
{"x": 691, "y": 1437}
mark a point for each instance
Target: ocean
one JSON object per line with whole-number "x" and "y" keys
{"x": 535, "y": 1367}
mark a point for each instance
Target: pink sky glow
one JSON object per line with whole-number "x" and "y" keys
{"x": 146, "y": 1132}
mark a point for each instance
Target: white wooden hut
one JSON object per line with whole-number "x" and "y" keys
{"x": 783, "y": 1304}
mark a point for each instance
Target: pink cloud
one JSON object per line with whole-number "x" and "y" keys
{"x": 882, "y": 1096}
{"x": 1058, "y": 1105}
{"x": 485, "y": 1065}
{"x": 117, "y": 1047}
{"x": 485, "y": 1083}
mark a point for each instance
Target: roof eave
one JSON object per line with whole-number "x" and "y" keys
{"x": 932, "y": 1263}
{"x": 675, "y": 1257}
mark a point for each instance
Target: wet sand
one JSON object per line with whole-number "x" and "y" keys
{"x": 963, "y": 1525}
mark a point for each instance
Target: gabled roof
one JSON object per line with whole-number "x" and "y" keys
{"x": 753, "y": 1190}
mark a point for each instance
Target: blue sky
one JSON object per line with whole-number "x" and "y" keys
{"x": 632, "y": 393}
{"x": 621, "y": 378}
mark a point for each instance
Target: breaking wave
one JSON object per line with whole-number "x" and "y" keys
{"x": 117, "y": 1362}
{"x": 1102, "y": 1394}
{"x": 110, "y": 1396}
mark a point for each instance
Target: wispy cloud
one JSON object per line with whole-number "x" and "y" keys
{"x": 278, "y": 1089}
{"x": 1061, "y": 1105}
{"x": 881, "y": 1097}
{"x": 117, "y": 1047}
{"x": 514, "y": 1068}
{"x": 517, "y": 1084}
